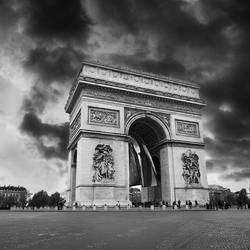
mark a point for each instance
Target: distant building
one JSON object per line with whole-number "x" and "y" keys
{"x": 220, "y": 193}
{"x": 218, "y": 188}
{"x": 17, "y": 192}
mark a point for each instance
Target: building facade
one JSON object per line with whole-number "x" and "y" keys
{"x": 108, "y": 108}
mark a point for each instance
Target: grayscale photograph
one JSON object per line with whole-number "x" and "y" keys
{"x": 124, "y": 124}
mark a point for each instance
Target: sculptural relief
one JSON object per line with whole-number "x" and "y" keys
{"x": 106, "y": 117}
{"x": 103, "y": 163}
{"x": 191, "y": 172}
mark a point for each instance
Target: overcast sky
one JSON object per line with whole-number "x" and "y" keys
{"x": 42, "y": 43}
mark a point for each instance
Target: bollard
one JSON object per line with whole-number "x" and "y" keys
{"x": 163, "y": 207}
{"x": 152, "y": 207}
{"x": 83, "y": 207}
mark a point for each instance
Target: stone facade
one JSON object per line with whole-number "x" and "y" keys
{"x": 107, "y": 107}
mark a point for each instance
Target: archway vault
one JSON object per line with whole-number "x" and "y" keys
{"x": 148, "y": 126}
{"x": 147, "y": 131}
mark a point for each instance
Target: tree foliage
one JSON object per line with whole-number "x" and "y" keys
{"x": 56, "y": 200}
{"x": 42, "y": 199}
{"x": 242, "y": 198}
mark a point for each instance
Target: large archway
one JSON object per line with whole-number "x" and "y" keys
{"x": 147, "y": 132}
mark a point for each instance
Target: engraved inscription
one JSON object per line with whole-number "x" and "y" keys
{"x": 75, "y": 125}
{"x": 100, "y": 116}
{"x": 187, "y": 128}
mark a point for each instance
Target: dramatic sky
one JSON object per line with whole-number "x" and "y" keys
{"x": 42, "y": 43}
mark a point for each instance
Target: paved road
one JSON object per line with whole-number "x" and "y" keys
{"x": 125, "y": 230}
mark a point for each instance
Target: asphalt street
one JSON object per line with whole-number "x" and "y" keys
{"x": 125, "y": 230}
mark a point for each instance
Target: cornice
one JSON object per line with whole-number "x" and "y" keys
{"x": 179, "y": 143}
{"x": 96, "y": 134}
{"x": 96, "y": 83}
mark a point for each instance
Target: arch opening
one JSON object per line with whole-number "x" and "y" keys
{"x": 144, "y": 161}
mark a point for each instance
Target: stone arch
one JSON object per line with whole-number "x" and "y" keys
{"x": 157, "y": 122}
{"x": 152, "y": 131}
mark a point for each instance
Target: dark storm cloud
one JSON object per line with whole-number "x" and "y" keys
{"x": 231, "y": 128}
{"x": 238, "y": 176}
{"x": 56, "y": 27}
{"x": 59, "y": 64}
{"x": 8, "y": 16}
{"x": 172, "y": 27}
{"x": 167, "y": 66}
{"x": 33, "y": 126}
{"x": 56, "y": 19}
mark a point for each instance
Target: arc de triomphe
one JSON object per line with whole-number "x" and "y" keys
{"x": 109, "y": 107}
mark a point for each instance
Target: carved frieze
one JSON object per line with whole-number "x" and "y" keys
{"x": 75, "y": 125}
{"x": 141, "y": 81}
{"x": 100, "y": 116}
{"x": 187, "y": 128}
{"x": 191, "y": 172}
{"x": 103, "y": 164}
{"x": 123, "y": 97}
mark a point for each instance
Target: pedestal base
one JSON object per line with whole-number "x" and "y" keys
{"x": 100, "y": 195}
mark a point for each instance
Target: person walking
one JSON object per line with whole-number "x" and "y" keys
{"x": 179, "y": 204}
{"x": 190, "y": 204}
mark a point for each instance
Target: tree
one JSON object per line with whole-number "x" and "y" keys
{"x": 56, "y": 200}
{"x": 40, "y": 199}
{"x": 242, "y": 197}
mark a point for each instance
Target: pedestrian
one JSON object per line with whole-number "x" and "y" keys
{"x": 118, "y": 205}
{"x": 174, "y": 204}
{"x": 190, "y": 204}
{"x": 196, "y": 203}
{"x": 179, "y": 204}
